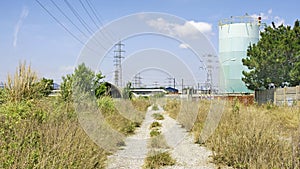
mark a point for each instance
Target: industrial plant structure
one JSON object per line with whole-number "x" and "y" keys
{"x": 235, "y": 36}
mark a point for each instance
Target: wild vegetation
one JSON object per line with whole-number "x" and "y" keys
{"x": 158, "y": 116}
{"x": 252, "y": 136}
{"x": 37, "y": 131}
{"x": 157, "y": 157}
{"x": 157, "y": 160}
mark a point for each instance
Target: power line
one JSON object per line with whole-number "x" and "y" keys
{"x": 61, "y": 24}
{"x": 83, "y": 23}
{"x": 64, "y": 27}
{"x": 65, "y": 15}
{"x": 98, "y": 17}
{"x": 94, "y": 12}
{"x": 92, "y": 19}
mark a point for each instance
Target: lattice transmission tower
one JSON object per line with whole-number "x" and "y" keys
{"x": 118, "y": 55}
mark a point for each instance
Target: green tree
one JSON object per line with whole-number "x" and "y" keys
{"x": 127, "y": 94}
{"x": 66, "y": 88}
{"x": 45, "y": 86}
{"x": 85, "y": 81}
{"x": 100, "y": 87}
{"x": 274, "y": 59}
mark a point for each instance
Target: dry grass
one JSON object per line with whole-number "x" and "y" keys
{"x": 43, "y": 134}
{"x": 172, "y": 107}
{"x": 156, "y": 160}
{"x": 254, "y": 136}
{"x": 250, "y": 137}
{"x": 125, "y": 118}
{"x": 21, "y": 85}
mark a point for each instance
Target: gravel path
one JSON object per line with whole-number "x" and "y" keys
{"x": 182, "y": 148}
{"x": 133, "y": 154}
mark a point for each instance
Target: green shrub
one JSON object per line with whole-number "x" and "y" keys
{"x": 106, "y": 105}
{"x": 154, "y": 132}
{"x": 155, "y": 124}
{"x": 39, "y": 134}
{"x": 2, "y": 96}
{"x": 155, "y": 107}
{"x": 158, "y": 116}
{"x": 156, "y": 160}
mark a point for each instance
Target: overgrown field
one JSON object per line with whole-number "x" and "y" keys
{"x": 251, "y": 136}
{"x": 37, "y": 131}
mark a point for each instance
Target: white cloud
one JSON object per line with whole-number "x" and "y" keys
{"x": 268, "y": 17}
{"x": 188, "y": 29}
{"x": 23, "y": 15}
{"x": 202, "y": 26}
{"x": 184, "y": 46}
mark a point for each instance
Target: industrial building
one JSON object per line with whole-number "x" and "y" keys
{"x": 235, "y": 35}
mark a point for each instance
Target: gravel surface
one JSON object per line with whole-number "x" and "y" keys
{"x": 182, "y": 148}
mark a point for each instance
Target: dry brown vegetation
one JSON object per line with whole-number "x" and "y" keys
{"x": 44, "y": 132}
{"x": 253, "y": 136}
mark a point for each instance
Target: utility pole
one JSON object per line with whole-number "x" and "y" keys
{"x": 170, "y": 80}
{"x": 137, "y": 80}
{"x": 118, "y": 63}
{"x": 182, "y": 85}
{"x": 155, "y": 84}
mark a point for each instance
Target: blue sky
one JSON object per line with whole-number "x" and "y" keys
{"x": 28, "y": 33}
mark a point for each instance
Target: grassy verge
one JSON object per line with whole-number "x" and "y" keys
{"x": 252, "y": 136}
{"x": 126, "y": 118}
{"x": 45, "y": 134}
{"x": 172, "y": 107}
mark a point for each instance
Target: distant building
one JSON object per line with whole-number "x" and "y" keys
{"x": 148, "y": 91}
{"x": 171, "y": 90}
{"x": 56, "y": 86}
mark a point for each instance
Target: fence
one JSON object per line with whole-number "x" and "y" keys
{"x": 280, "y": 96}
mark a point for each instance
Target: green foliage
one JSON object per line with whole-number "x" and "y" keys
{"x": 45, "y": 86}
{"x": 155, "y": 132}
{"x": 155, "y": 107}
{"x": 158, "y": 116}
{"x": 274, "y": 59}
{"x": 127, "y": 94}
{"x": 156, "y": 160}
{"x": 155, "y": 124}
{"x": 40, "y": 134}
{"x": 2, "y": 96}
{"x": 66, "y": 88}
{"x": 84, "y": 81}
{"x": 106, "y": 106}
{"x": 116, "y": 120}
